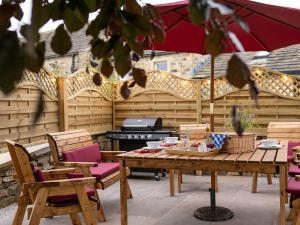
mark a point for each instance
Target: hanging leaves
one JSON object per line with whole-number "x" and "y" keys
{"x": 39, "y": 108}
{"x": 61, "y": 42}
{"x": 213, "y": 42}
{"x": 106, "y": 68}
{"x": 97, "y": 79}
{"x": 237, "y": 72}
{"x": 139, "y": 76}
{"x": 236, "y": 121}
{"x": 34, "y": 60}
{"x": 122, "y": 59}
{"x": 125, "y": 91}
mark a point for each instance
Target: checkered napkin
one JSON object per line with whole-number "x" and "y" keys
{"x": 218, "y": 139}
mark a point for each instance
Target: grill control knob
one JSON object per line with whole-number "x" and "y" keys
{"x": 142, "y": 136}
{"x": 149, "y": 136}
{"x": 129, "y": 136}
{"x": 136, "y": 136}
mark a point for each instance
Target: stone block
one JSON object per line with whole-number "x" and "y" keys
{"x": 13, "y": 189}
{"x": 2, "y": 174}
{"x": 3, "y": 193}
{"x": 7, "y": 201}
{"x": 7, "y": 179}
{"x": 4, "y": 185}
{"x": 9, "y": 173}
{"x": 43, "y": 160}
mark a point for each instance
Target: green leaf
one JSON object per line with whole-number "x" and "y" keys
{"x": 151, "y": 11}
{"x": 134, "y": 7}
{"x": 29, "y": 33}
{"x": 213, "y": 42}
{"x": 136, "y": 47}
{"x": 11, "y": 61}
{"x": 34, "y": 60}
{"x": 92, "y": 5}
{"x": 106, "y": 68}
{"x": 159, "y": 33}
{"x": 122, "y": 59}
{"x": 39, "y": 108}
{"x": 97, "y": 79}
{"x": 40, "y": 14}
{"x": 139, "y": 76}
{"x": 125, "y": 91}
{"x": 97, "y": 47}
{"x": 61, "y": 42}
{"x": 72, "y": 21}
{"x": 197, "y": 11}
{"x": 238, "y": 73}
{"x": 140, "y": 23}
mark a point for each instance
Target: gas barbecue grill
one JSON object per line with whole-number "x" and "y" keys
{"x": 134, "y": 134}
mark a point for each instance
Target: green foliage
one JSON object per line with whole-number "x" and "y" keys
{"x": 246, "y": 118}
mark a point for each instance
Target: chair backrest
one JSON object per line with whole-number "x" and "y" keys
{"x": 284, "y": 130}
{"x": 196, "y": 132}
{"x": 61, "y": 142}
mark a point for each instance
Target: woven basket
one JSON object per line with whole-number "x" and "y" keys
{"x": 236, "y": 144}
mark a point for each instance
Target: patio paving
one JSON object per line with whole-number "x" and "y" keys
{"x": 152, "y": 204}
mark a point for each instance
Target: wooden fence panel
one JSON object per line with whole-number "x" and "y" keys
{"x": 91, "y": 111}
{"x": 172, "y": 109}
{"x": 16, "y": 115}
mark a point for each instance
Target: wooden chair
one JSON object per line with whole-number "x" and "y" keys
{"x": 281, "y": 131}
{"x": 50, "y": 197}
{"x": 63, "y": 143}
{"x": 195, "y": 132}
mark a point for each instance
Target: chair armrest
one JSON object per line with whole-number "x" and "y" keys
{"x": 76, "y": 164}
{"x": 57, "y": 174}
{"x": 65, "y": 182}
{"x": 297, "y": 178}
{"x": 296, "y": 148}
{"x": 110, "y": 155}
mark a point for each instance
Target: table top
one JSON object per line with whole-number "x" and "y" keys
{"x": 276, "y": 156}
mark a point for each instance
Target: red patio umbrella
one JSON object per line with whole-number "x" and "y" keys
{"x": 271, "y": 27}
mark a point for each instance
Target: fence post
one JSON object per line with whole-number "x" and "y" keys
{"x": 199, "y": 102}
{"x": 62, "y": 104}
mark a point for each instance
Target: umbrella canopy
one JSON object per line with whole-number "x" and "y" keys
{"x": 270, "y": 27}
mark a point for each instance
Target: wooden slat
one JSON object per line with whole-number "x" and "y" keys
{"x": 257, "y": 156}
{"x": 232, "y": 157}
{"x": 220, "y": 157}
{"x": 244, "y": 157}
{"x": 269, "y": 156}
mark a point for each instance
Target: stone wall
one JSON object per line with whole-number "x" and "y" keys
{"x": 9, "y": 187}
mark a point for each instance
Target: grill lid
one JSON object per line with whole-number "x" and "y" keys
{"x": 142, "y": 124}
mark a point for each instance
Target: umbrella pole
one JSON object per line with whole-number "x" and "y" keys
{"x": 213, "y": 212}
{"x": 212, "y": 94}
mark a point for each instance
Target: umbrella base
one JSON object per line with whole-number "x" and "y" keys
{"x": 208, "y": 214}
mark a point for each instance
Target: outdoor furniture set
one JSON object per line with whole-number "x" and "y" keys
{"x": 84, "y": 169}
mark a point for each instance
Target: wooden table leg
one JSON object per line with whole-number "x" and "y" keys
{"x": 282, "y": 185}
{"x": 172, "y": 185}
{"x": 179, "y": 180}
{"x": 214, "y": 181}
{"x": 254, "y": 182}
{"x": 123, "y": 193}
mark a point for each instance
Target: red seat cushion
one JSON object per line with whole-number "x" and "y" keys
{"x": 293, "y": 186}
{"x": 90, "y": 153}
{"x": 37, "y": 173}
{"x": 67, "y": 199}
{"x": 294, "y": 170}
{"x": 291, "y": 145}
{"x": 290, "y": 158}
{"x": 104, "y": 169}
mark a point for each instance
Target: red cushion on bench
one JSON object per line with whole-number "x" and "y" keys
{"x": 293, "y": 186}
{"x": 104, "y": 169}
{"x": 66, "y": 199}
{"x": 291, "y": 145}
{"x": 90, "y": 153}
{"x": 294, "y": 170}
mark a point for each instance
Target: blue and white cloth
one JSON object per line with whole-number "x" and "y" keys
{"x": 218, "y": 139}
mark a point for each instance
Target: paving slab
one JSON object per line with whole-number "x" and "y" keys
{"x": 152, "y": 204}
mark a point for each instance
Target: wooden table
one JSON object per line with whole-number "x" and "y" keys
{"x": 259, "y": 161}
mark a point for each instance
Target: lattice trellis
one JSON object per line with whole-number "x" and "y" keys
{"x": 82, "y": 81}
{"x": 222, "y": 87}
{"x": 276, "y": 82}
{"x": 164, "y": 81}
{"x": 43, "y": 80}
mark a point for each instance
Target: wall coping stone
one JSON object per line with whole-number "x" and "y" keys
{"x": 5, "y": 159}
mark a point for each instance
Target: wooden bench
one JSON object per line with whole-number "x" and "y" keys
{"x": 48, "y": 193}
{"x": 281, "y": 131}
{"x": 62, "y": 143}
